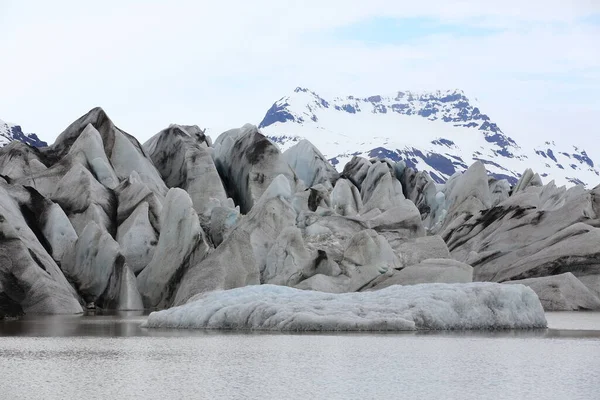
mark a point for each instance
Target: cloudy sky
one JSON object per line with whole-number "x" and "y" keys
{"x": 534, "y": 65}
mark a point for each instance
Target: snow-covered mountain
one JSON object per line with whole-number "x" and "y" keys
{"x": 10, "y": 132}
{"x": 441, "y": 132}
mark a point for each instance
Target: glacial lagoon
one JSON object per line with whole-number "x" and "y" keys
{"x": 112, "y": 357}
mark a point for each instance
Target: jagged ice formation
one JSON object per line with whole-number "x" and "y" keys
{"x": 98, "y": 219}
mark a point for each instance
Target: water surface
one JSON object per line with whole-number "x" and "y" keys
{"x": 100, "y": 357}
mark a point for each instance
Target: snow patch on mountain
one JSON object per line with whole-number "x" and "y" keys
{"x": 441, "y": 132}
{"x": 10, "y": 132}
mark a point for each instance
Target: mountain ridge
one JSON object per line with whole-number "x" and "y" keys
{"x": 10, "y": 132}
{"x": 441, "y": 132}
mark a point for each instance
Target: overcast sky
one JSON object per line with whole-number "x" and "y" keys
{"x": 534, "y": 65}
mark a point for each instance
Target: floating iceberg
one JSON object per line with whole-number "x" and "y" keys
{"x": 396, "y": 308}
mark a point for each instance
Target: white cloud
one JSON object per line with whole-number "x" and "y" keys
{"x": 220, "y": 64}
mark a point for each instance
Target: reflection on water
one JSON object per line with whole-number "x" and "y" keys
{"x": 127, "y": 324}
{"x": 112, "y": 357}
{"x": 121, "y": 323}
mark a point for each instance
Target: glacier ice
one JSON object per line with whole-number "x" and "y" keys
{"x": 345, "y": 198}
{"x": 90, "y": 263}
{"x": 238, "y": 260}
{"x": 500, "y": 190}
{"x": 122, "y": 150}
{"x": 89, "y": 149}
{"x": 380, "y": 189}
{"x": 535, "y": 232}
{"x": 58, "y": 231}
{"x": 96, "y": 207}
{"x": 356, "y": 170}
{"x": 562, "y": 292}
{"x": 222, "y": 221}
{"x": 310, "y": 165}
{"x": 413, "y": 251}
{"x": 30, "y": 280}
{"x": 428, "y": 271}
{"x": 132, "y": 192}
{"x": 98, "y": 270}
{"x": 184, "y": 159}
{"x": 78, "y": 192}
{"x": 137, "y": 238}
{"x": 396, "y": 308}
{"x": 288, "y": 260}
{"x": 17, "y": 160}
{"x": 528, "y": 179}
{"x": 181, "y": 245}
{"x": 366, "y": 256}
{"x": 249, "y": 162}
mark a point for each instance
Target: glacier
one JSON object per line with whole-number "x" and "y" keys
{"x": 396, "y": 308}
{"x": 98, "y": 219}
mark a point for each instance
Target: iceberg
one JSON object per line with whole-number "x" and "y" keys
{"x": 481, "y": 305}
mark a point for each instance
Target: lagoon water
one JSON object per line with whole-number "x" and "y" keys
{"x": 111, "y": 357}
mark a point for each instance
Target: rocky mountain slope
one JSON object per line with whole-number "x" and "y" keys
{"x": 10, "y": 132}
{"x": 98, "y": 219}
{"x": 440, "y": 132}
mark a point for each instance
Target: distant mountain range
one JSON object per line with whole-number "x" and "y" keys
{"x": 10, "y": 132}
{"x": 441, "y": 132}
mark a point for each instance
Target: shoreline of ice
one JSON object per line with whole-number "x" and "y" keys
{"x": 472, "y": 306}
